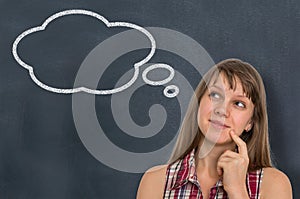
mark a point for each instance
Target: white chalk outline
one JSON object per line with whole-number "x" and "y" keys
{"x": 155, "y": 66}
{"x": 162, "y": 82}
{"x": 171, "y": 87}
{"x": 83, "y": 89}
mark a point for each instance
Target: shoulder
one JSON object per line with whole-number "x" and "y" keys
{"x": 152, "y": 183}
{"x": 275, "y": 184}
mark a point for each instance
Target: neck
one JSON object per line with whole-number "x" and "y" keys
{"x": 207, "y": 157}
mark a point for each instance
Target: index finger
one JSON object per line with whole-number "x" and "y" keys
{"x": 240, "y": 143}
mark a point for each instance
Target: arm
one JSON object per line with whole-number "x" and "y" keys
{"x": 275, "y": 184}
{"x": 152, "y": 183}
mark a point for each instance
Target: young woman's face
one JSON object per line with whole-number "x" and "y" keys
{"x": 222, "y": 109}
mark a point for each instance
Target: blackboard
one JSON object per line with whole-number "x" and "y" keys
{"x": 42, "y": 153}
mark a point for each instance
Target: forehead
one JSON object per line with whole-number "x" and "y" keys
{"x": 222, "y": 82}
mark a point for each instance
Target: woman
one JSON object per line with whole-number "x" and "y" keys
{"x": 222, "y": 149}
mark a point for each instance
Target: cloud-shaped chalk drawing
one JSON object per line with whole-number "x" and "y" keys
{"x": 95, "y": 91}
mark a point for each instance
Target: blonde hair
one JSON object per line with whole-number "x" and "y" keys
{"x": 257, "y": 139}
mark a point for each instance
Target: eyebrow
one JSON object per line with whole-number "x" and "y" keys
{"x": 223, "y": 89}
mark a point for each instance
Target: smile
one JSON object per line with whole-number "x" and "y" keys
{"x": 219, "y": 125}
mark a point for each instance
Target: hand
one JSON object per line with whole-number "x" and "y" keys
{"x": 233, "y": 168}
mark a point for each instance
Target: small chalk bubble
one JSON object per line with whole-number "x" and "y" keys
{"x": 155, "y": 66}
{"x": 171, "y": 91}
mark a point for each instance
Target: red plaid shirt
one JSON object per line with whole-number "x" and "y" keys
{"x": 181, "y": 182}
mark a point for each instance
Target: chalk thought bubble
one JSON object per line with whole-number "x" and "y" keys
{"x": 95, "y": 91}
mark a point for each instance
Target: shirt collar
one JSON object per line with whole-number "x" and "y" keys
{"x": 187, "y": 172}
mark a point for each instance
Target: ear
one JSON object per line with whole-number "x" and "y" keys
{"x": 249, "y": 126}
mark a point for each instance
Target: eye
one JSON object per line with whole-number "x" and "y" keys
{"x": 214, "y": 95}
{"x": 240, "y": 104}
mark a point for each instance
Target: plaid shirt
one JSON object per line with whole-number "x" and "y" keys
{"x": 181, "y": 182}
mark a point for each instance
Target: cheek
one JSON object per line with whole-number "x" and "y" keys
{"x": 241, "y": 122}
{"x": 204, "y": 112}
{"x": 203, "y": 109}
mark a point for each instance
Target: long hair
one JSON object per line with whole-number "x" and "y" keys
{"x": 257, "y": 139}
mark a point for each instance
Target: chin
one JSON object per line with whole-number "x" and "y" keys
{"x": 218, "y": 138}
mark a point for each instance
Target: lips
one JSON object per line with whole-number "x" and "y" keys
{"x": 219, "y": 124}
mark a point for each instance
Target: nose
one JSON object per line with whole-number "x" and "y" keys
{"x": 221, "y": 110}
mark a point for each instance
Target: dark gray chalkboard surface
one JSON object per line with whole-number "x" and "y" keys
{"x": 41, "y": 153}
